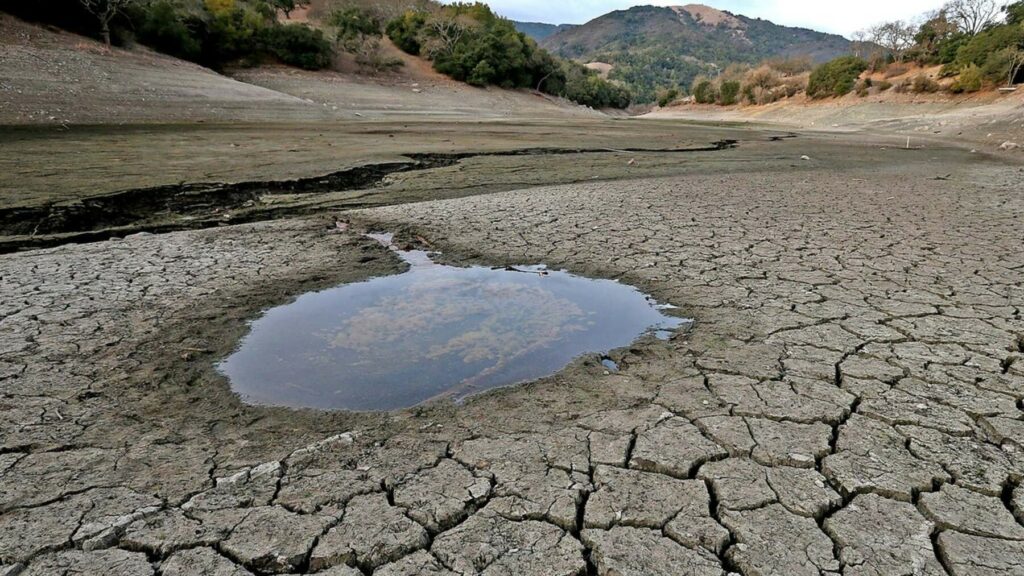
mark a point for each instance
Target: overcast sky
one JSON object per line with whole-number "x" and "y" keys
{"x": 839, "y": 17}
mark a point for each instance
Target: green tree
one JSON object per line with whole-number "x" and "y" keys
{"x": 405, "y": 31}
{"x": 704, "y": 92}
{"x": 728, "y": 93}
{"x": 355, "y": 28}
{"x": 287, "y": 6}
{"x": 835, "y": 78}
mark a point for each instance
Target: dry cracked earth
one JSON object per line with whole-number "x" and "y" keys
{"x": 849, "y": 400}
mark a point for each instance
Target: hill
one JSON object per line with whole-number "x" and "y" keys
{"x": 652, "y": 47}
{"x": 49, "y": 76}
{"x": 539, "y": 30}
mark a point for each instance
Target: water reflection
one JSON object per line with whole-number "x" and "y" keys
{"x": 397, "y": 341}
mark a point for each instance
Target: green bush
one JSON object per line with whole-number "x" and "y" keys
{"x": 405, "y": 30}
{"x": 971, "y": 80}
{"x": 355, "y": 27}
{"x": 164, "y": 29}
{"x": 298, "y": 45}
{"x": 667, "y": 96}
{"x": 704, "y": 92}
{"x": 835, "y": 78}
{"x": 883, "y": 85}
{"x": 1000, "y": 64}
{"x": 728, "y": 93}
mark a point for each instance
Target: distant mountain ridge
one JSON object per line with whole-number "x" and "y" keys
{"x": 652, "y": 47}
{"x": 539, "y": 30}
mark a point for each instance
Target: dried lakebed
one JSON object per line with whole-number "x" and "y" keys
{"x": 434, "y": 332}
{"x": 849, "y": 401}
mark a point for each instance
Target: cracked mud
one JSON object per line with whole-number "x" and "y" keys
{"x": 848, "y": 402}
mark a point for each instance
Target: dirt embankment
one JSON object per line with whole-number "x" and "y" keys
{"x": 53, "y": 77}
{"x": 984, "y": 121}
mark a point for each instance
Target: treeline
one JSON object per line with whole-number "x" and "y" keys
{"x": 979, "y": 41}
{"x": 468, "y": 42}
{"x": 213, "y": 33}
{"x": 976, "y": 42}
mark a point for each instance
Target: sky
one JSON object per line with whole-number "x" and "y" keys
{"x": 835, "y": 16}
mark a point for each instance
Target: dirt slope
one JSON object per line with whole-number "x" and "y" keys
{"x": 53, "y": 77}
{"x": 985, "y": 120}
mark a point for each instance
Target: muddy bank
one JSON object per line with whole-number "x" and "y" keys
{"x": 203, "y": 205}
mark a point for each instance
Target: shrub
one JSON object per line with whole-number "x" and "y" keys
{"x": 704, "y": 91}
{"x": 298, "y": 45}
{"x": 923, "y": 84}
{"x": 728, "y": 93}
{"x": 355, "y": 28}
{"x": 164, "y": 29}
{"x": 971, "y": 80}
{"x": 405, "y": 30}
{"x": 835, "y": 78}
{"x": 763, "y": 76}
{"x": 1001, "y": 64}
{"x": 883, "y": 85}
{"x": 667, "y": 96}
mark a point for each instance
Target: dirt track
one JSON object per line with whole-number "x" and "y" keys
{"x": 848, "y": 402}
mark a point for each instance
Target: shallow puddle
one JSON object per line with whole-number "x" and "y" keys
{"x": 434, "y": 331}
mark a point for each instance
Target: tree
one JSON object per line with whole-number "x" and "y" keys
{"x": 896, "y": 37}
{"x": 861, "y": 43}
{"x": 1014, "y": 13}
{"x": 105, "y": 11}
{"x": 287, "y": 6}
{"x": 972, "y": 16}
{"x": 357, "y": 29}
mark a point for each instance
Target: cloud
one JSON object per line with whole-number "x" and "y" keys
{"x": 826, "y": 16}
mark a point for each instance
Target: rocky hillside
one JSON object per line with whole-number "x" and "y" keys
{"x": 653, "y": 47}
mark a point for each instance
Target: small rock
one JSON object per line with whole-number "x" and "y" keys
{"x": 1009, "y": 146}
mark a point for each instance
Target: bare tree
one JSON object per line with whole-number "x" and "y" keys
{"x": 448, "y": 31}
{"x": 1016, "y": 65}
{"x": 973, "y": 16}
{"x": 105, "y": 11}
{"x": 896, "y": 37}
{"x": 861, "y": 43}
